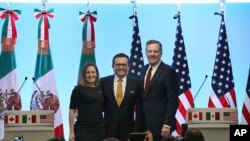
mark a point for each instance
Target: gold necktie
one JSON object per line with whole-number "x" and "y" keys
{"x": 119, "y": 92}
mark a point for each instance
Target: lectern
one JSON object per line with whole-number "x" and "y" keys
{"x": 214, "y": 123}
{"x": 28, "y": 125}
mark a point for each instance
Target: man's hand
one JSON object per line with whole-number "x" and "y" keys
{"x": 165, "y": 131}
{"x": 149, "y": 136}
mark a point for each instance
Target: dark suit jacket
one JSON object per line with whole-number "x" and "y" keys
{"x": 121, "y": 117}
{"x": 161, "y": 101}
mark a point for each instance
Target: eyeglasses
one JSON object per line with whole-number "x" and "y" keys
{"x": 121, "y": 65}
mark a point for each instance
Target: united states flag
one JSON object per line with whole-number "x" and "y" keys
{"x": 245, "y": 118}
{"x": 136, "y": 56}
{"x": 180, "y": 65}
{"x": 223, "y": 93}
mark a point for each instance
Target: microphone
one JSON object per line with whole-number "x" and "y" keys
{"x": 22, "y": 84}
{"x": 200, "y": 87}
{"x": 36, "y": 85}
{"x": 216, "y": 13}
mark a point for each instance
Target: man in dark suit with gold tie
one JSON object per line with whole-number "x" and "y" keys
{"x": 122, "y": 95}
{"x": 159, "y": 92}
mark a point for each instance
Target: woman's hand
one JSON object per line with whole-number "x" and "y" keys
{"x": 71, "y": 136}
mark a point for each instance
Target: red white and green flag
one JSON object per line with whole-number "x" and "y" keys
{"x": 213, "y": 116}
{"x": 45, "y": 94}
{"x": 88, "y": 39}
{"x": 9, "y": 96}
{"x": 20, "y": 119}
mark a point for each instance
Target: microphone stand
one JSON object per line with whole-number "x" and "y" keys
{"x": 36, "y": 85}
{"x": 200, "y": 88}
{"x": 22, "y": 84}
{"x": 44, "y": 96}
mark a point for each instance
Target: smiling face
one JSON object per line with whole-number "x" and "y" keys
{"x": 121, "y": 66}
{"x": 153, "y": 52}
{"x": 90, "y": 76}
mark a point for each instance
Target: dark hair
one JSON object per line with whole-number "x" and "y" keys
{"x": 56, "y": 139}
{"x": 169, "y": 138}
{"x": 110, "y": 139}
{"x": 149, "y": 42}
{"x": 82, "y": 79}
{"x": 118, "y": 56}
{"x": 193, "y": 135}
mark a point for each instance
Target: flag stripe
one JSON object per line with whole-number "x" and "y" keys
{"x": 180, "y": 64}
{"x": 245, "y": 117}
{"x": 223, "y": 94}
{"x": 43, "y": 64}
{"x": 58, "y": 130}
{"x": 190, "y": 115}
{"x": 217, "y": 116}
{"x": 24, "y": 119}
{"x": 6, "y": 119}
{"x": 33, "y": 118}
{"x": 208, "y": 115}
{"x": 7, "y": 63}
{"x": 16, "y": 118}
{"x": 200, "y": 116}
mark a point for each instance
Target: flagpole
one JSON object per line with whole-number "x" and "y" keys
{"x": 179, "y": 9}
{"x": 134, "y": 7}
{"x": 88, "y": 10}
{"x": 179, "y": 6}
{"x": 222, "y": 6}
{"x": 8, "y": 4}
{"x": 134, "y": 11}
{"x": 44, "y": 5}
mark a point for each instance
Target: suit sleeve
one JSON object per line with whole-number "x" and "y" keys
{"x": 139, "y": 122}
{"x": 74, "y": 99}
{"x": 171, "y": 84}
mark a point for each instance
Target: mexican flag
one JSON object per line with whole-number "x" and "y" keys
{"x": 9, "y": 96}
{"x": 45, "y": 94}
{"x": 88, "y": 39}
{"x": 212, "y": 115}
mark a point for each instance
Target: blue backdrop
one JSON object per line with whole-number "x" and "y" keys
{"x": 114, "y": 34}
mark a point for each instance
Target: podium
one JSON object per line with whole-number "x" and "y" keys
{"x": 214, "y": 123}
{"x": 28, "y": 125}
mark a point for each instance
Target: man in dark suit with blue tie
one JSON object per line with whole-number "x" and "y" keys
{"x": 159, "y": 93}
{"x": 122, "y": 95}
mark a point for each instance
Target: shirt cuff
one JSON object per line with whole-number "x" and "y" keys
{"x": 165, "y": 125}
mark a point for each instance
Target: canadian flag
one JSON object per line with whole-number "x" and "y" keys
{"x": 11, "y": 119}
{"x": 195, "y": 116}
